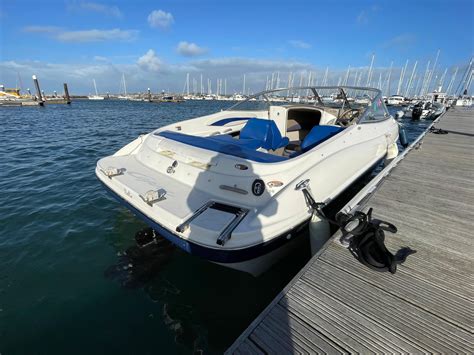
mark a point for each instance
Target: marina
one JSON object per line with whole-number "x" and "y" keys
{"x": 337, "y": 305}
{"x": 205, "y": 178}
{"x": 70, "y": 248}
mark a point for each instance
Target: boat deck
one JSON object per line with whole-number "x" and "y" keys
{"x": 337, "y": 305}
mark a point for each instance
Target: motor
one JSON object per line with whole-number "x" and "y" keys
{"x": 417, "y": 112}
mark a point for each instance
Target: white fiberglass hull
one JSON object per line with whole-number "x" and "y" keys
{"x": 230, "y": 205}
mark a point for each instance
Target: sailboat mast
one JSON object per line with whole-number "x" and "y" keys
{"x": 464, "y": 78}
{"x": 441, "y": 80}
{"x": 432, "y": 71}
{"x": 124, "y": 84}
{"x": 389, "y": 79}
{"x": 402, "y": 74}
{"x": 200, "y": 91}
{"x": 369, "y": 73}
{"x": 452, "y": 81}
{"x": 469, "y": 82}
{"x": 411, "y": 79}
{"x": 347, "y": 75}
{"x": 187, "y": 84}
{"x": 95, "y": 87}
{"x": 310, "y": 79}
{"x": 423, "y": 85}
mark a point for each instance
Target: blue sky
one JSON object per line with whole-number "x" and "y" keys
{"x": 155, "y": 43}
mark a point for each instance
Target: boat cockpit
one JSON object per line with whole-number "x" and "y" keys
{"x": 280, "y": 124}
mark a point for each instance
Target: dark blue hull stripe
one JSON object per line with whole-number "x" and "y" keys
{"x": 216, "y": 255}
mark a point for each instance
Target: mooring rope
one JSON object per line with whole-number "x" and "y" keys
{"x": 366, "y": 236}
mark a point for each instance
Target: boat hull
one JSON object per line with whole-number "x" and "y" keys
{"x": 263, "y": 263}
{"x": 219, "y": 199}
{"x": 254, "y": 260}
{"x": 221, "y": 256}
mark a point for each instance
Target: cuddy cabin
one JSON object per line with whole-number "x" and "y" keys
{"x": 225, "y": 186}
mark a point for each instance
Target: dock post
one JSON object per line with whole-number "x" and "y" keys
{"x": 38, "y": 90}
{"x": 66, "y": 94}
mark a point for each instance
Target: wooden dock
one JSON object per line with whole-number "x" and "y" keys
{"x": 337, "y": 305}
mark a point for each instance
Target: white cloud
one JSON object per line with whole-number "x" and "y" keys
{"x": 149, "y": 61}
{"x": 92, "y": 35}
{"x": 160, "y": 19}
{"x": 97, "y": 35}
{"x": 299, "y": 44}
{"x": 107, "y": 10}
{"x": 99, "y": 58}
{"x": 237, "y": 65}
{"x": 41, "y": 29}
{"x": 189, "y": 49}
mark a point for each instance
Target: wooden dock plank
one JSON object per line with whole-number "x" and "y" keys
{"x": 337, "y": 305}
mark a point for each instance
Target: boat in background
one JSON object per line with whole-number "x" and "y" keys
{"x": 171, "y": 98}
{"x": 427, "y": 110}
{"x": 96, "y": 96}
{"x": 396, "y": 100}
{"x": 123, "y": 87}
{"x": 464, "y": 101}
{"x": 235, "y": 187}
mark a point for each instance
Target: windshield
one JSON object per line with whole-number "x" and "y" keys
{"x": 326, "y": 96}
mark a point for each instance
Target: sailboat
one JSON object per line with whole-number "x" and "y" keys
{"x": 124, "y": 85}
{"x": 96, "y": 96}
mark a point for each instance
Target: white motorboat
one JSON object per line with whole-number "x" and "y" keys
{"x": 229, "y": 187}
{"x": 464, "y": 101}
{"x": 95, "y": 97}
{"x": 427, "y": 110}
{"x": 396, "y": 100}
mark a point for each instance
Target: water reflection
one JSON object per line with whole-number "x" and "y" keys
{"x": 204, "y": 305}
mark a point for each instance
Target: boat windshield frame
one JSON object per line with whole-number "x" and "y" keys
{"x": 365, "y": 117}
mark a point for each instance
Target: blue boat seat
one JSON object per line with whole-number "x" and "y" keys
{"x": 262, "y": 133}
{"x": 219, "y": 144}
{"x": 317, "y": 135}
